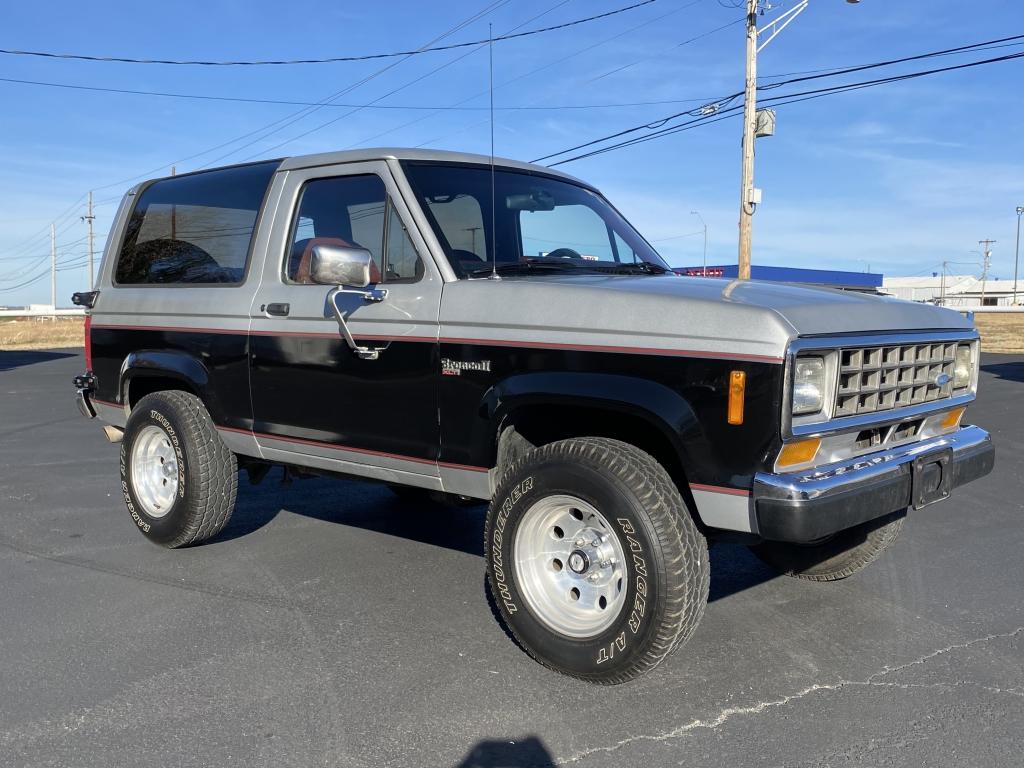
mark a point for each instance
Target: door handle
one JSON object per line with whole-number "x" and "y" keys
{"x": 277, "y": 308}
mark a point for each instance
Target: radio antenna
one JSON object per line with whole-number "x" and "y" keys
{"x": 494, "y": 222}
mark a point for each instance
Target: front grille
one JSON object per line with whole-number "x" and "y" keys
{"x": 873, "y": 379}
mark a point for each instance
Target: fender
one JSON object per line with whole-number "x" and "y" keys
{"x": 663, "y": 408}
{"x": 170, "y": 364}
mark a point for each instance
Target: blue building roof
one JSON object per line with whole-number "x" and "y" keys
{"x": 830, "y": 277}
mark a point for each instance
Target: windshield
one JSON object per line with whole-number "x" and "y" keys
{"x": 541, "y": 224}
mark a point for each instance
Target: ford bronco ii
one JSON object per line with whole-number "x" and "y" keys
{"x": 501, "y": 333}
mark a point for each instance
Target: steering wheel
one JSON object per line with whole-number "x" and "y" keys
{"x": 563, "y": 253}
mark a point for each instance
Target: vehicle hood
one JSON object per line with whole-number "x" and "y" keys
{"x": 750, "y": 317}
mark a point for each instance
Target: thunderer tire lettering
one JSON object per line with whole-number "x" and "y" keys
{"x": 498, "y": 536}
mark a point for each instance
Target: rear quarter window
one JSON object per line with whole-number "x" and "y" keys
{"x": 195, "y": 229}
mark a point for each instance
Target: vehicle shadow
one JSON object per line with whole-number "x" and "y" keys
{"x": 1010, "y": 371}
{"x": 18, "y": 358}
{"x": 369, "y": 506}
{"x": 529, "y": 752}
{"x": 373, "y": 507}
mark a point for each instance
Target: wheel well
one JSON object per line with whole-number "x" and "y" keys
{"x": 536, "y": 425}
{"x": 140, "y": 386}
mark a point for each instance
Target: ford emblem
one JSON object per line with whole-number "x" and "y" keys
{"x": 942, "y": 379}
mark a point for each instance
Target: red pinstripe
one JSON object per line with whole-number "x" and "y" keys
{"x": 661, "y": 351}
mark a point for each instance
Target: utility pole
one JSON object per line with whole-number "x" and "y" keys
{"x": 53, "y": 266}
{"x": 747, "y": 204}
{"x": 88, "y": 219}
{"x": 986, "y": 257}
{"x": 942, "y": 286}
{"x": 750, "y": 196}
{"x": 1016, "y": 261}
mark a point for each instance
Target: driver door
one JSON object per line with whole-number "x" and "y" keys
{"x": 315, "y": 402}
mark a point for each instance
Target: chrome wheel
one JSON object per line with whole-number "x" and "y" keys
{"x": 154, "y": 471}
{"x": 570, "y": 566}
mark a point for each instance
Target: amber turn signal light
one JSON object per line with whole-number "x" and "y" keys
{"x": 952, "y": 419}
{"x": 737, "y": 394}
{"x": 802, "y": 452}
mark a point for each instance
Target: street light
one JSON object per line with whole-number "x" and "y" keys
{"x": 697, "y": 214}
{"x": 1016, "y": 261}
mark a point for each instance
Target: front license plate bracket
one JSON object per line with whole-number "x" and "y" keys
{"x": 931, "y": 478}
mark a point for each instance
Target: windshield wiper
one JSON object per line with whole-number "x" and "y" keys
{"x": 526, "y": 267}
{"x": 644, "y": 267}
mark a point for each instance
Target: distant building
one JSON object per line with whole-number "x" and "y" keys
{"x": 827, "y": 278}
{"x": 954, "y": 290}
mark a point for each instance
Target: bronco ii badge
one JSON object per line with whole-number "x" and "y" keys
{"x": 456, "y": 367}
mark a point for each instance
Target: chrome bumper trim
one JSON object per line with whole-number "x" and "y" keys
{"x": 804, "y": 506}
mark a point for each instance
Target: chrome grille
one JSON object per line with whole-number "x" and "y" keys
{"x": 873, "y": 379}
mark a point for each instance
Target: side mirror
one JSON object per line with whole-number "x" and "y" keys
{"x": 338, "y": 265}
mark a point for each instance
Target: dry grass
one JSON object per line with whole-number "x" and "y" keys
{"x": 1001, "y": 331}
{"x": 33, "y": 333}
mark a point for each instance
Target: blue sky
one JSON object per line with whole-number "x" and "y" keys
{"x": 900, "y": 177}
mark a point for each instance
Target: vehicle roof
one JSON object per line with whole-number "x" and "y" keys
{"x": 427, "y": 155}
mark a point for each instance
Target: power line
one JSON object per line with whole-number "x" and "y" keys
{"x": 393, "y": 107}
{"x": 862, "y": 67}
{"x": 720, "y": 107}
{"x": 329, "y": 60}
{"x": 281, "y": 122}
{"x": 677, "y": 45}
{"x": 949, "y": 52}
{"x": 303, "y": 113}
{"x": 534, "y": 71}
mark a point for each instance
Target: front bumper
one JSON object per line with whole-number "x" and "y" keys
{"x": 806, "y": 506}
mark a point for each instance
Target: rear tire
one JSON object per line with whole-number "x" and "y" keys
{"x": 635, "y": 583}
{"x": 178, "y": 478}
{"x": 838, "y": 556}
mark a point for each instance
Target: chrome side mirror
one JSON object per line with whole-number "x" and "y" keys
{"x": 339, "y": 265}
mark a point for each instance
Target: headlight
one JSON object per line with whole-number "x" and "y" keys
{"x": 964, "y": 367}
{"x": 808, "y": 385}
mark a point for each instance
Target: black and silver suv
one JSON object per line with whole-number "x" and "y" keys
{"x": 426, "y": 320}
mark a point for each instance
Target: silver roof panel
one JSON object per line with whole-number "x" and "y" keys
{"x": 429, "y": 155}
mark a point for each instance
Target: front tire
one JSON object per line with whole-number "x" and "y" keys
{"x": 178, "y": 478}
{"x": 593, "y": 559}
{"x": 838, "y": 556}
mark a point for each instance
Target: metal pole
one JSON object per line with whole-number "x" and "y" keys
{"x": 749, "y": 129}
{"x": 985, "y": 258}
{"x": 53, "y": 266}
{"x": 942, "y": 286}
{"x": 705, "y": 250}
{"x": 1016, "y": 261}
{"x": 705, "y": 225}
{"x": 89, "y": 218}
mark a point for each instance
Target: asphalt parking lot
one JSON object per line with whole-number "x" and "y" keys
{"x": 332, "y": 625}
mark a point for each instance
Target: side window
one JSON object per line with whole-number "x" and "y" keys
{"x": 570, "y": 229}
{"x": 351, "y": 211}
{"x": 195, "y": 228}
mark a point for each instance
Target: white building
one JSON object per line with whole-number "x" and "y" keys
{"x": 954, "y": 290}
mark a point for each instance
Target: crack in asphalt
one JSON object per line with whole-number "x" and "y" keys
{"x": 755, "y": 709}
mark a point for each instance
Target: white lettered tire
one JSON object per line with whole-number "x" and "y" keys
{"x": 178, "y": 478}
{"x": 593, "y": 559}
